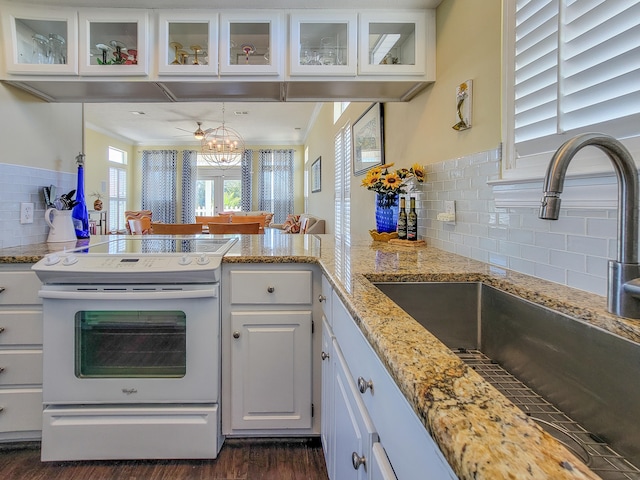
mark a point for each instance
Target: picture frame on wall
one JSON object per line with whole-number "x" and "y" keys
{"x": 368, "y": 139}
{"x": 316, "y": 175}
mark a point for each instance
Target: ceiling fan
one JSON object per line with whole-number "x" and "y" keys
{"x": 199, "y": 134}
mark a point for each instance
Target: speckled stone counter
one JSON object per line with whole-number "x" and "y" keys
{"x": 480, "y": 432}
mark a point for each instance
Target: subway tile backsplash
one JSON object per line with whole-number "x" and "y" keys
{"x": 572, "y": 250}
{"x": 24, "y": 184}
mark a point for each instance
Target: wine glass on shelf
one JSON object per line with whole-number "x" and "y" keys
{"x": 176, "y": 48}
{"x": 120, "y": 52}
{"x": 196, "y": 50}
{"x": 103, "y": 50}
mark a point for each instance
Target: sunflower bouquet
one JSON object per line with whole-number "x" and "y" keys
{"x": 383, "y": 181}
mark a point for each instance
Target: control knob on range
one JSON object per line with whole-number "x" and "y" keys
{"x": 184, "y": 260}
{"x": 51, "y": 259}
{"x": 70, "y": 260}
{"x": 203, "y": 259}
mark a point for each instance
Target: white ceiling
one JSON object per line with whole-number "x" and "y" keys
{"x": 167, "y": 123}
{"x": 265, "y": 123}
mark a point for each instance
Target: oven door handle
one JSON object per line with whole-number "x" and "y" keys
{"x": 128, "y": 295}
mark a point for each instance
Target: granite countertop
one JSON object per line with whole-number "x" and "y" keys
{"x": 481, "y": 433}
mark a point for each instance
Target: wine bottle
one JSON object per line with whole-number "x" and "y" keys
{"x": 402, "y": 220}
{"x": 412, "y": 221}
{"x": 79, "y": 214}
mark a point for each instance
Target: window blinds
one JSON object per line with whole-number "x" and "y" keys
{"x": 577, "y": 69}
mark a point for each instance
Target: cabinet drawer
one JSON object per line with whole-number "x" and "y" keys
{"x": 21, "y": 410}
{"x": 20, "y": 327}
{"x": 281, "y": 287}
{"x": 20, "y": 288}
{"x": 408, "y": 445}
{"x": 20, "y": 367}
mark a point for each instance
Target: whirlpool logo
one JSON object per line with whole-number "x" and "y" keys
{"x": 129, "y": 391}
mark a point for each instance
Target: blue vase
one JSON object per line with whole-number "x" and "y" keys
{"x": 386, "y": 212}
{"x": 79, "y": 214}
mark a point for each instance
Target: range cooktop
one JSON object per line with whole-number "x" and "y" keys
{"x": 138, "y": 259}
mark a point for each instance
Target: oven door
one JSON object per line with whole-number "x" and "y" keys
{"x": 131, "y": 344}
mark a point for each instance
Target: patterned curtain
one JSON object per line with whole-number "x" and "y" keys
{"x": 276, "y": 183}
{"x": 189, "y": 179}
{"x": 159, "y": 172}
{"x": 246, "y": 196}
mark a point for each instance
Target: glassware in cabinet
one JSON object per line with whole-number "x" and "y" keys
{"x": 113, "y": 42}
{"x": 323, "y": 44}
{"x": 188, "y": 43}
{"x": 394, "y": 43}
{"x": 40, "y": 41}
{"x": 251, "y": 43}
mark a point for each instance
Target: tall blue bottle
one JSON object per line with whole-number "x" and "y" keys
{"x": 79, "y": 213}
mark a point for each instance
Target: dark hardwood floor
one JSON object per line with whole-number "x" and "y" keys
{"x": 238, "y": 460}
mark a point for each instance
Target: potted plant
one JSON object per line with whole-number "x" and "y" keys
{"x": 97, "y": 204}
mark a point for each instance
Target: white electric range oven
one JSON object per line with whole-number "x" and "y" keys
{"x": 131, "y": 349}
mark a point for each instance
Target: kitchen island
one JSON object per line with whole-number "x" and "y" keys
{"x": 480, "y": 432}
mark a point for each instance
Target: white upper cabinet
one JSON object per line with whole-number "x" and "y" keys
{"x": 251, "y": 43}
{"x": 187, "y": 43}
{"x": 393, "y": 43}
{"x": 323, "y": 44}
{"x": 40, "y": 40}
{"x": 114, "y": 42}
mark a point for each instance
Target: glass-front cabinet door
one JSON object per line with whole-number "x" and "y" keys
{"x": 188, "y": 43}
{"x": 40, "y": 40}
{"x": 113, "y": 42}
{"x": 392, "y": 43}
{"x": 323, "y": 44}
{"x": 251, "y": 43}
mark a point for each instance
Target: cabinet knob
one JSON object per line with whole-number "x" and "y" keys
{"x": 2, "y": 289}
{"x": 324, "y": 355}
{"x": 1, "y": 369}
{"x": 1, "y": 329}
{"x": 1, "y": 409}
{"x": 321, "y": 298}
{"x": 271, "y": 289}
{"x": 363, "y": 385}
{"x": 236, "y": 334}
{"x": 357, "y": 461}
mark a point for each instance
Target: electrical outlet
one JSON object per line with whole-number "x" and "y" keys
{"x": 26, "y": 212}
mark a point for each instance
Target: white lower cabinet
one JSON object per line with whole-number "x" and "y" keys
{"x": 271, "y": 382}
{"x": 20, "y": 354}
{"x": 373, "y": 433}
{"x": 270, "y": 375}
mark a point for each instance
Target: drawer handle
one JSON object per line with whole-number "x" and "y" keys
{"x": 363, "y": 385}
{"x": 236, "y": 334}
{"x": 321, "y": 298}
{"x": 271, "y": 289}
{"x": 357, "y": 461}
{"x": 324, "y": 355}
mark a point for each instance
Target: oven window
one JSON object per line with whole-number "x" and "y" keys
{"x": 127, "y": 344}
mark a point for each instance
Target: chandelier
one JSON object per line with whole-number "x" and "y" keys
{"x": 222, "y": 147}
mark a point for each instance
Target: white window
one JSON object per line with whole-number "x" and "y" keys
{"x": 117, "y": 189}
{"x": 338, "y": 109}
{"x": 217, "y": 190}
{"x": 572, "y": 66}
{"x": 343, "y": 148}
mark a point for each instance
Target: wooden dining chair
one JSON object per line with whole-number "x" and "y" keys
{"x": 176, "y": 228}
{"x": 139, "y": 226}
{"x": 214, "y": 219}
{"x": 239, "y": 219}
{"x": 234, "y": 227}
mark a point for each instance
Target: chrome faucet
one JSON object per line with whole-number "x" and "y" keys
{"x": 623, "y": 290}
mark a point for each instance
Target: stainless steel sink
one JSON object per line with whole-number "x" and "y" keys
{"x": 578, "y": 382}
